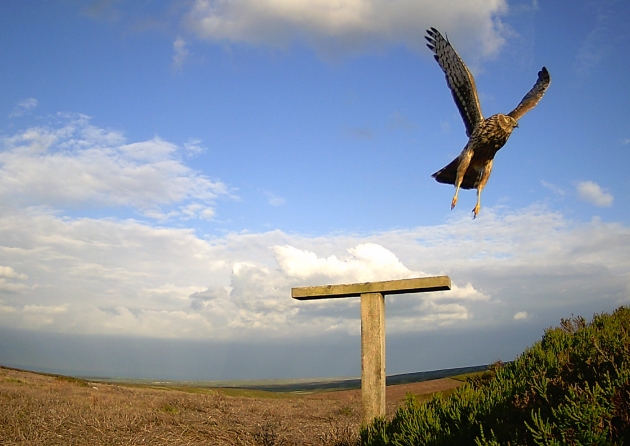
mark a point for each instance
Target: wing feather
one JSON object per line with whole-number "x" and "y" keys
{"x": 458, "y": 79}
{"x": 533, "y": 96}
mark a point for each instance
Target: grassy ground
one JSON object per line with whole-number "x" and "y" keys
{"x": 39, "y": 409}
{"x": 46, "y": 410}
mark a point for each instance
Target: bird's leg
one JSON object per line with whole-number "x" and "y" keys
{"x": 475, "y": 210}
{"x": 464, "y": 162}
{"x": 485, "y": 176}
{"x": 454, "y": 200}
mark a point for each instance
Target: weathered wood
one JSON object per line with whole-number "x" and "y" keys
{"x": 373, "y": 328}
{"x": 372, "y": 356}
{"x": 417, "y": 285}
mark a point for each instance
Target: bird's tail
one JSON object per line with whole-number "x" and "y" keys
{"x": 448, "y": 174}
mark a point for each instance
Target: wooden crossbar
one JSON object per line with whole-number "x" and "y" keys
{"x": 373, "y": 328}
{"x": 402, "y": 286}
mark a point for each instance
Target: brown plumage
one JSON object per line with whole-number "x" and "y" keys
{"x": 472, "y": 168}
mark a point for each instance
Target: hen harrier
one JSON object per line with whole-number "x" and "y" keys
{"x": 471, "y": 169}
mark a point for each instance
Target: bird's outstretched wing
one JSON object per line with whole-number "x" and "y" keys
{"x": 458, "y": 78}
{"x": 533, "y": 97}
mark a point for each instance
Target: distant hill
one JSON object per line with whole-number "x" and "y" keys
{"x": 353, "y": 383}
{"x": 287, "y": 385}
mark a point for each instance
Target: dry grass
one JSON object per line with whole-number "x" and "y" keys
{"x": 45, "y": 410}
{"x": 38, "y": 409}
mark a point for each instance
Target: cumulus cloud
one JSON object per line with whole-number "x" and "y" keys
{"x": 366, "y": 262}
{"x": 591, "y": 192}
{"x": 75, "y": 164}
{"x": 341, "y": 27}
{"x": 105, "y": 276}
{"x": 467, "y": 292}
{"x": 9, "y": 286}
{"x": 23, "y": 107}
{"x": 109, "y": 276}
{"x": 7, "y": 271}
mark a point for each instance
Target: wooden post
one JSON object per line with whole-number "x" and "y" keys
{"x": 372, "y": 355}
{"x": 373, "y": 328}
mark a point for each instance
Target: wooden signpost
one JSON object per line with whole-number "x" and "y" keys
{"x": 373, "y": 328}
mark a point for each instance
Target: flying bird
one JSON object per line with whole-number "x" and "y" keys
{"x": 471, "y": 169}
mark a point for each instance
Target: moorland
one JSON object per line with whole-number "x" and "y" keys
{"x": 45, "y": 409}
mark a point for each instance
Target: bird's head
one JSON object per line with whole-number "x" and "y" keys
{"x": 507, "y": 123}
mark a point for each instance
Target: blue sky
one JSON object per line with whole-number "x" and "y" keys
{"x": 170, "y": 169}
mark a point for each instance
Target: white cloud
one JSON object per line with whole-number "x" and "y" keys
{"x": 7, "y": 271}
{"x": 45, "y": 309}
{"x": 334, "y": 27}
{"x": 76, "y": 164}
{"x": 105, "y": 276}
{"x": 367, "y": 262}
{"x": 467, "y": 292}
{"x": 11, "y": 287}
{"x": 109, "y": 276}
{"x": 196, "y": 210}
{"x": 276, "y": 201}
{"x": 7, "y": 309}
{"x": 591, "y": 192}
{"x": 193, "y": 146}
{"x": 273, "y": 199}
{"x": 23, "y": 107}
{"x": 521, "y": 315}
{"x": 180, "y": 53}
{"x": 553, "y": 188}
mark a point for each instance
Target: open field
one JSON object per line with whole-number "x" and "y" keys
{"x": 37, "y": 409}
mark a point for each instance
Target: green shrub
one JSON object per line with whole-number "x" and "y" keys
{"x": 571, "y": 388}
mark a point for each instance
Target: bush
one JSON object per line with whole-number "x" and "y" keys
{"x": 571, "y": 388}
